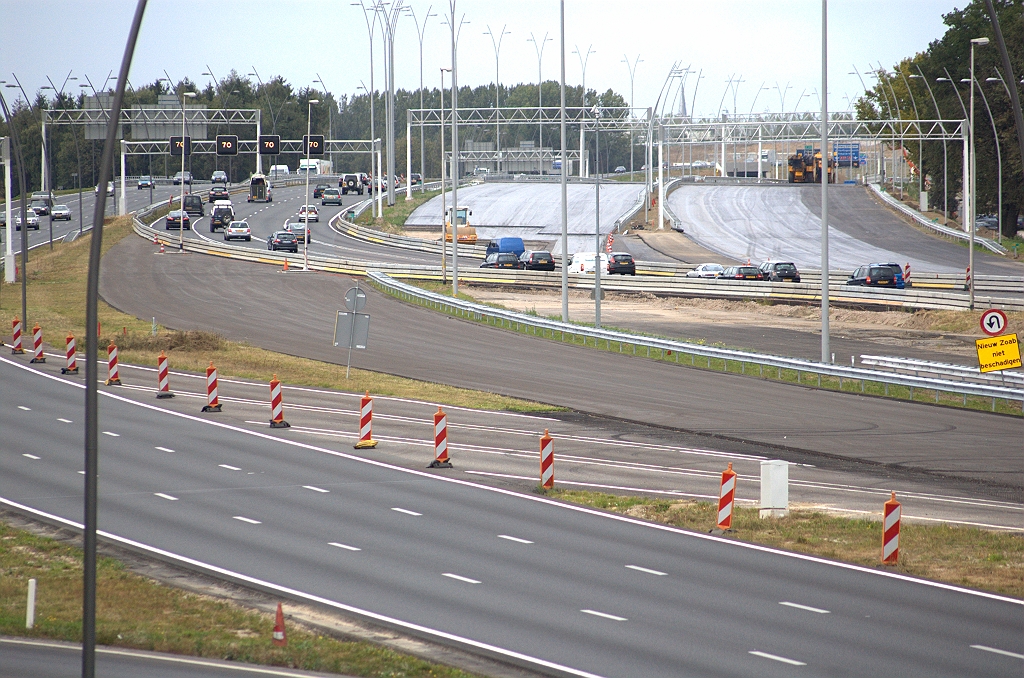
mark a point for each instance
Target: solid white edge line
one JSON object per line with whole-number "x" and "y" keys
{"x": 344, "y": 546}
{"x": 308, "y": 596}
{"x": 515, "y": 539}
{"x": 648, "y": 571}
{"x": 165, "y": 496}
{"x": 405, "y": 511}
{"x": 159, "y": 657}
{"x": 605, "y": 615}
{"x": 315, "y": 489}
{"x": 996, "y": 650}
{"x": 248, "y": 520}
{"x": 538, "y": 499}
{"x": 784, "y": 660}
{"x": 30, "y": 456}
{"x": 65, "y": 421}
{"x": 459, "y": 577}
{"x": 230, "y": 468}
{"x": 807, "y": 608}
{"x": 163, "y": 449}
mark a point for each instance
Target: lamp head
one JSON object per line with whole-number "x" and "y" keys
{"x": 979, "y": 41}
{"x": 314, "y": 101}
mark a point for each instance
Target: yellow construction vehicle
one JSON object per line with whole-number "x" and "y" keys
{"x": 466, "y": 233}
{"x": 801, "y": 167}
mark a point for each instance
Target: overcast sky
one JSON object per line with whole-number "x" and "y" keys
{"x": 757, "y": 41}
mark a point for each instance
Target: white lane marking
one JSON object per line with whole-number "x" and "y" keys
{"x": 166, "y": 496}
{"x": 515, "y": 539}
{"x": 230, "y": 468}
{"x": 247, "y": 520}
{"x": 605, "y": 615}
{"x": 315, "y": 489}
{"x": 344, "y": 546}
{"x": 66, "y": 421}
{"x": 644, "y": 569}
{"x": 996, "y": 650}
{"x": 163, "y": 449}
{"x": 406, "y": 511}
{"x": 22, "y": 407}
{"x": 608, "y": 487}
{"x": 30, "y": 456}
{"x": 460, "y": 578}
{"x": 804, "y": 607}
{"x": 81, "y": 473}
{"x": 725, "y": 542}
{"x": 112, "y": 434}
{"x": 777, "y": 658}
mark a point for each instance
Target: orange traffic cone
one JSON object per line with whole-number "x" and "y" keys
{"x": 279, "y": 637}
{"x": 285, "y": 265}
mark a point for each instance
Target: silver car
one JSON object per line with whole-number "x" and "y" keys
{"x": 238, "y": 229}
{"x": 31, "y": 217}
{"x": 706, "y": 271}
{"x": 61, "y": 212}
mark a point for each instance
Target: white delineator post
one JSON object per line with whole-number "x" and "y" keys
{"x": 30, "y": 608}
{"x": 774, "y": 488}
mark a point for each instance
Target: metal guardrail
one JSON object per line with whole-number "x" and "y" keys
{"x": 665, "y": 347}
{"x": 938, "y": 228}
{"x": 945, "y": 370}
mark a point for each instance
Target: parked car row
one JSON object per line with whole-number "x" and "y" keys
{"x": 529, "y": 260}
{"x": 882, "y": 274}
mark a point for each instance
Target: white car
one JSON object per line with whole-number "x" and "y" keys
{"x": 706, "y": 271}
{"x": 583, "y": 262}
{"x": 31, "y": 217}
{"x": 110, "y": 188}
{"x": 309, "y": 213}
{"x": 238, "y": 229}
{"x": 61, "y": 212}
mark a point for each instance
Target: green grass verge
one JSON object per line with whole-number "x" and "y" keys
{"x": 964, "y": 556}
{"x": 170, "y": 620}
{"x": 746, "y": 368}
{"x": 56, "y": 300}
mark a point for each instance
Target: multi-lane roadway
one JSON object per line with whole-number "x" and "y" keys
{"x": 561, "y": 589}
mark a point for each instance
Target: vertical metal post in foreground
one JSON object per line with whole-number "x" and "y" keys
{"x": 91, "y": 345}
{"x": 565, "y": 192}
{"x": 455, "y": 161}
{"x": 597, "y": 218}
{"x": 972, "y": 224}
{"x": 825, "y": 350}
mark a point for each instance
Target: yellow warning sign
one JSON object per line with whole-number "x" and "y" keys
{"x": 998, "y": 353}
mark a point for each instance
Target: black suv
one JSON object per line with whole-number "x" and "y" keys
{"x": 350, "y": 183}
{"x": 873, "y": 274}
{"x": 194, "y": 204}
{"x": 283, "y": 240}
{"x": 501, "y": 260}
{"x": 779, "y": 271}
{"x": 218, "y": 193}
{"x": 318, "y": 191}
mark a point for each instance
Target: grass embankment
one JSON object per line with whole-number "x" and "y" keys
{"x": 955, "y": 319}
{"x": 964, "y": 556}
{"x": 56, "y": 300}
{"x": 394, "y": 217}
{"x": 170, "y": 620}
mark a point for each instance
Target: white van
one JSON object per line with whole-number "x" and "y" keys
{"x": 583, "y": 262}
{"x": 278, "y": 171}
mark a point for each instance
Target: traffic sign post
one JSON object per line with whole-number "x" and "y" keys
{"x": 352, "y": 327}
{"x": 993, "y": 322}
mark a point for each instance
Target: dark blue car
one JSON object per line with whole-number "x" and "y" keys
{"x": 897, "y": 271}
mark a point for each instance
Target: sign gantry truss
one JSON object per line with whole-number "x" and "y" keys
{"x": 810, "y": 130}
{"x": 617, "y": 118}
{"x": 201, "y": 147}
{"x": 156, "y": 116}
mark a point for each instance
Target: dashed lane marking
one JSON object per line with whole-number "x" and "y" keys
{"x": 996, "y": 650}
{"x": 22, "y": 407}
{"x": 247, "y": 520}
{"x": 166, "y": 496}
{"x": 459, "y": 578}
{"x": 647, "y": 570}
{"x": 604, "y": 615}
{"x": 30, "y": 456}
{"x": 230, "y": 468}
{"x": 775, "y": 657}
{"x": 806, "y": 608}
{"x": 315, "y": 489}
{"x": 65, "y": 421}
{"x": 405, "y": 511}
{"x": 344, "y": 546}
{"x": 515, "y": 539}
{"x": 112, "y": 434}
{"x": 163, "y": 449}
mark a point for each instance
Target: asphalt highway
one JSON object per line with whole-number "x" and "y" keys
{"x": 23, "y": 658}
{"x": 563, "y": 589}
{"x": 243, "y": 302}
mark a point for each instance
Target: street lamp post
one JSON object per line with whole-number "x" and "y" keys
{"x": 583, "y": 103}
{"x": 999, "y": 155}
{"x": 974, "y": 177}
{"x": 181, "y": 203}
{"x": 920, "y": 154}
{"x": 632, "y": 75}
{"x": 444, "y": 205}
{"x": 305, "y": 206}
{"x": 597, "y": 218}
{"x": 421, "y": 32}
{"x": 945, "y": 156}
{"x": 539, "y": 49}
{"x": 370, "y": 25}
{"x": 496, "y": 44}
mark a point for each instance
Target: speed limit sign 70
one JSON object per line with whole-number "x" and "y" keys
{"x": 993, "y": 322}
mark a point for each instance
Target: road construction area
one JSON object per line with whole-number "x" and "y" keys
{"x": 533, "y": 211}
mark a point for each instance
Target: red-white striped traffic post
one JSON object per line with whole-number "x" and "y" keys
{"x": 891, "y": 531}
{"x": 366, "y": 440}
{"x": 440, "y": 440}
{"x": 547, "y": 461}
{"x": 163, "y": 389}
{"x": 212, "y": 402}
{"x": 72, "y": 356}
{"x": 906, "y": 275}
{"x": 16, "y": 347}
{"x": 967, "y": 280}
{"x": 725, "y": 498}
{"x": 37, "y": 345}
{"x": 113, "y": 376}
{"x": 276, "y": 405}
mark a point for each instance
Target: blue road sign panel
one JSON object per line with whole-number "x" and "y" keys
{"x": 848, "y": 155}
